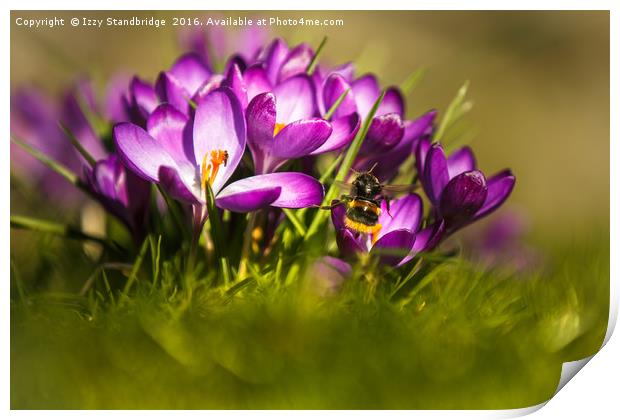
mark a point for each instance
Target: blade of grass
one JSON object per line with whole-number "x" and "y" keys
{"x": 76, "y": 143}
{"x": 55, "y": 166}
{"x": 334, "y": 107}
{"x": 347, "y": 162}
{"x": 133, "y": 275}
{"x": 71, "y": 232}
{"x": 216, "y": 233}
{"x": 412, "y": 81}
{"x": 453, "y": 112}
{"x": 315, "y": 60}
{"x": 297, "y": 223}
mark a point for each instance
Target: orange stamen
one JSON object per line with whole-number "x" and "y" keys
{"x": 209, "y": 170}
{"x": 278, "y": 127}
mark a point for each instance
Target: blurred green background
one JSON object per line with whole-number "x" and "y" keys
{"x": 539, "y": 83}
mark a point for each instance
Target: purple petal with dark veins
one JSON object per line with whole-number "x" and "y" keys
{"x": 460, "y": 161}
{"x": 295, "y": 99}
{"x": 295, "y": 190}
{"x": 334, "y": 87}
{"x": 256, "y": 81}
{"x": 405, "y": 213}
{"x": 393, "y": 102}
{"x": 366, "y": 92}
{"x": 344, "y": 130}
{"x": 499, "y": 188}
{"x": 170, "y": 128}
{"x": 273, "y": 57}
{"x": 140, "y": 152}
{"x": 300, "y": 138}
{"x": 435, "y": 176}
{"x": 239, "y": 199}
{"x": 296, "y": 62}
{"x": 261, "y": 118}
{"x": 384, "y": 133}
{"x": 191, "y": 72}
{"x": 172, "y": 91}
{"x": 234, "y": 81}
{"x": 177, "y": 187}
{"x": 394, "y": 246}
{"x": 462, "y": 197}
{"x": 144, "y": 96}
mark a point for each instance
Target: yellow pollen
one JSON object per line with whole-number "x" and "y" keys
{"x": 209, "y": 169}
{"x": 278, "y": 127}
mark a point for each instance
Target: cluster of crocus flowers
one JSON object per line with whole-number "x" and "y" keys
{"x": 248, "y": 136}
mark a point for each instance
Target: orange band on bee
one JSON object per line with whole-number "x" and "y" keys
{"x": 360, "y": 227}
{"x": 365, "y": 205}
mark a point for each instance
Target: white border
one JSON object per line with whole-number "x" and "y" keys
{"x": 598, "y": 385}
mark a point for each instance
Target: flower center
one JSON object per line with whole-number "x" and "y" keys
{"x": 216, "y": 158}
{"x": 278, "y": 127}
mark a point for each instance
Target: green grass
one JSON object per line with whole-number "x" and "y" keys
{"x": 460, "y": 337}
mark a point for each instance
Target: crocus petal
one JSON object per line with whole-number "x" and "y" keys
{"x": 191, "y": 71}
{"x": 261, "y": 118}
{"x": 144, "y": 96}
{"x": 394, "y": 246}
{"x": 344, "y": 130}
{"x": 328, "y": 274}
{"x": 256, "y": 81}
{"x": 219, "y": 124}
{"x": 295, "y": 99}
{"x": 172, "y": 91}
{"x": 243, "y": 198}
{"x": 274, "y": 56}
{"x": 421, "y": 126}
{"x": 114, "y": 105}
{"x": 366, "y": 92}
{"x": 140, "y": 152}
{"x": 346, "y": 70}
{"x": 296, "y": 62}
{"x": 234, "y": 81}
{"x": 499, "y": 188}
{"x": 405, "y": 213}
{"x": 350, "y": 244}
{"x": 297, "y": 190}
{"x": 435, "y": 173}
{"x": 460, "y": 161}
{"x": 425, "y": 240}
{"x": 336, "y": 86}
{"x": 177, "y": 187}
{"x": 462, "y": 197}
{"x": 393, "y": 102}
{"x": 169, "y": 127}
{"x": 338, "y": 212}
{"x": 212, "y": 83}
{"x": 384, "y": 133}
{"x": 300, "y": 138}
{"x": 421, "y": 151}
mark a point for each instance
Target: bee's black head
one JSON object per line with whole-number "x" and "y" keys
{"x": 366, "y": 185}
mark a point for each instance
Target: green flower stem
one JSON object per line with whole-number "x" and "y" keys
{"x": 71, "y": 232}
{"x": 296, "y": 222}
{"x": 133, "y": 275}
{"x": 247, "y": 245}
{"x": 315, "y": 60}
{"x": 334, "y": 107}
{"x": 347, "y": 162}
{"x": 76, "y": 143}
{"x": 55, "y": 166}
{"x": 455, "y": 110}
{"x": 216, "y": 233}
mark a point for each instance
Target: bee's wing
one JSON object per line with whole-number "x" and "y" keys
{"x": 343, "y": 186}
{"x": 396, "y": 189}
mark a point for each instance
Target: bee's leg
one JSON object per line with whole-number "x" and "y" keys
{"x": 387, "y": 204}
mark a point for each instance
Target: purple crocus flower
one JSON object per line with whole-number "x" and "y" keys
{"x": 399, "y": 238}
{"x": 35, "y": 118}
{"x": 386, "y": 165}
{"x": 282, "y": 125}
{"x": 386, "y": 129}
{"x": 218, "y": 42}
{"x": 120, "y": 192}
{"x": 460, "y": 193}
{"x": 183, "y": 156}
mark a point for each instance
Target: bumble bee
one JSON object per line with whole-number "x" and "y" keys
{"x": 363, "y": 203}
